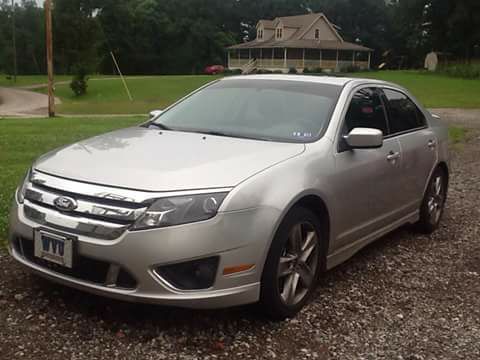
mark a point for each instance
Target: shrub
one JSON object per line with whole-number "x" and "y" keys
{"x": 79, "y": 82}
{"x": 350, "y": 69}
{"x": 292, "y": 70}
{"x": 466, "y": 71}
{"x": 229, "y": 72}
{"x": 277, "y": 72}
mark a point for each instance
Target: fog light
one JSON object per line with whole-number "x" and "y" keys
{"x": 191, "y": 275}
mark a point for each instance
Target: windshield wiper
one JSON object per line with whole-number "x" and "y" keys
{"x": 158, "y": 125}
{"x": 227, "y": 134}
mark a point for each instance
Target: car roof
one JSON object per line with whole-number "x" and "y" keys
{"x": 328, "y": 80}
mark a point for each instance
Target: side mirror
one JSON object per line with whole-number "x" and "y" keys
{"x": 364, "y": 138}
{"x": 154, "y": 113}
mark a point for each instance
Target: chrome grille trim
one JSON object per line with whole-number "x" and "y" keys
{"x": 85, "y": 207}
{"x": 100, "y": 212}
{"x": 75, "y": 224}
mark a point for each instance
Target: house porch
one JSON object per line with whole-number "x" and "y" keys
{"x": 286, "y": 58}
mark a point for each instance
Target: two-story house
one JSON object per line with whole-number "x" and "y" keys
{"x": 303, "y": 41}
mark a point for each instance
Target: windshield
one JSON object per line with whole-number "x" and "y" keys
{"x": 261, "y": 109}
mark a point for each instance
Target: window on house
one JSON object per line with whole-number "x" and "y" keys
{"x": 317, "y": 34}
{"x": 260, "y": 34}
{"x": 279, "y": 33}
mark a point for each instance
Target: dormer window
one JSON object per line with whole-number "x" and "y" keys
{"x": 279, "y": 33}
{"x": 317, "y": 34}
{"x": 260, "y": 34}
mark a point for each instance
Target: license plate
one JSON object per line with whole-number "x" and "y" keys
{"x": 55, "y": 248}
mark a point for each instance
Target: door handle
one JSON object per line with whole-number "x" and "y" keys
{"x": 432, "y": 144}
{"x": 392, "y": 156}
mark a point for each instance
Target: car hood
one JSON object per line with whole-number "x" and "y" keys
{"x": 152, "y": 160}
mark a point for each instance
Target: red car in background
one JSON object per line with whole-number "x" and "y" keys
{"x": 214, "y": 69}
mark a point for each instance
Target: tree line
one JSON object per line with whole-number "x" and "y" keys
{"x": 182, "y": 37}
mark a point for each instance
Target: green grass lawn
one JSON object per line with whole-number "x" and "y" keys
{"x": 433, "y": 90}
{"x": 23, "y": 140}
{"x": 109, "y": 96}
{"x": 25, "y": 80}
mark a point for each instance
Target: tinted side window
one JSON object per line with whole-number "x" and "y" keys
{"x": 403, "y": 114}
{"x": 366, "y": 110}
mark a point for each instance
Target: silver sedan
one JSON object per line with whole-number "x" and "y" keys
{"x": 242, "y": 192}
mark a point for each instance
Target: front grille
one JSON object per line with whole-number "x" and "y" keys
{"x": 94, "y": 211}
{"x": 84, "y": 268}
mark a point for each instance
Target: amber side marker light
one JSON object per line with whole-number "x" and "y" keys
{"x": 236, "y": 269}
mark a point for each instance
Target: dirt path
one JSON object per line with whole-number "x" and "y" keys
{"x": 407, "y": 296}
{"x": 16, "y": 102}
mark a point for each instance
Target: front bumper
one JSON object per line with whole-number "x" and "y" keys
{"x": 240, "y": 237}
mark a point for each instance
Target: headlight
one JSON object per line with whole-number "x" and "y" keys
{"x": 23, "y": 187}
{"x": 180, "y": 210}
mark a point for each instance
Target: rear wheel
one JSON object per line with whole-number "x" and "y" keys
{"x": 433, "y": 203}
{"x": 293, "y": 264}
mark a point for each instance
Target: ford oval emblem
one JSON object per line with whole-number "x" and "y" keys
{"x": 64, "y": 203}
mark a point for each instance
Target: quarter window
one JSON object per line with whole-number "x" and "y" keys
{"x": 366, "y": 110}
{"x": 317, "y": 34}
{"x": 403, "y": 114}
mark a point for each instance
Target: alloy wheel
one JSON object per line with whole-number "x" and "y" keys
{"x": 298, "y": 263}
{"x": 436, "y": 199}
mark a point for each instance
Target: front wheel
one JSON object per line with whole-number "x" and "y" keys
{"x": 433, "y": 203}
{"x": 293, "y": 265}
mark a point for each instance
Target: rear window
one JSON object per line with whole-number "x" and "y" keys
{"x": 404, "y": 115}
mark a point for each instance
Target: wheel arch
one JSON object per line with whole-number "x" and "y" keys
{"x": 444, "y": 166}
{"x": 315, "y": 203}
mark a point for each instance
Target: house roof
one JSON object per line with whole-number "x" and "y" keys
{"x": 302, "y": 43}
{"x": 302, "y": 24}
{"x": 297, "y": 21}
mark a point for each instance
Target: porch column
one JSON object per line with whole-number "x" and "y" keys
{"x": 260, "y": 63}
{"x": 285, "y": 58}
{"x": 249, "y": 54}
{"x": 228, "y": 59}
{"x": 321, "y": 60}
{"x": 336, "y": 66}
{"x": 303, "y": 59}
{"x": 273, "y": 55}
{"x": 353, "y": 58}
{"x": 369, "y": 57}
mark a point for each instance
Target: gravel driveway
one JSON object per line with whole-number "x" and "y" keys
{"x": 406, "y": 296}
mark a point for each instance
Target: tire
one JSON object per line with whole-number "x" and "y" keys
{"x": 294, "y": 262}
{"x": 433, "y": 203}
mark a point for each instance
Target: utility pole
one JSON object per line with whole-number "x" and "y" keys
{"x": 14, "y": 43}
{"x": 48, "y": 30}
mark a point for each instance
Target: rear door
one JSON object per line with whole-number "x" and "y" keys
{"x": 408, "y": 124}
{"x": 366, "y": 180}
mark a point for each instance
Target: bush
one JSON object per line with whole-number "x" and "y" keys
{"x": 292, "y": 70}
{"x": 229, "y": 72}
{"x": 264, "y": 71}
{"x": 465, "y": 71}
{"x": 277, "y": 72}
{"x": 350, "y": 69}
{"x": 79, "y": 82}
{"x": 317, "y": 70}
